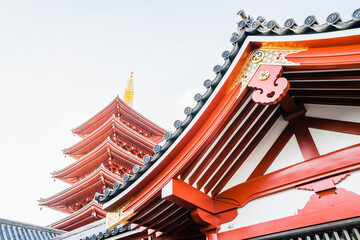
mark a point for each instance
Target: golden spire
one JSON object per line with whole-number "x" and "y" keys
{"x": 129, "y": 91}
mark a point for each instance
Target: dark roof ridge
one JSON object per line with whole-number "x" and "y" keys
{"x": 30, "y": 226}
{"x": 247, "y": 26}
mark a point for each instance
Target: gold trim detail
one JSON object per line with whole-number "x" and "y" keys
{"x": 264, "y": 75}
{"x": 258, "y": 56}
{"x": 118, "y": 216}
{"x": 270, "y": 57}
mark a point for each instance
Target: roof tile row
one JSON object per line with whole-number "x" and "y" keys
{"x": 247, "y": 26}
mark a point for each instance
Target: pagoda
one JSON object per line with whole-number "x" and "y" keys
{"x": 113, "y": 142}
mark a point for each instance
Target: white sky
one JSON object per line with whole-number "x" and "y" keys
{"x": 63, "y": 61}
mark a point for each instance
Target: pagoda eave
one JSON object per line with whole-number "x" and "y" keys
{"x": 111, "y": 127}
{"x": 94, "y": 122}
{"x": 95, "y": 158}
{"x": 88, "y": 214}
{"x": 97, "y": 181}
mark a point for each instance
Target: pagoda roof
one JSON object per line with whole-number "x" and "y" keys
{"x": 95, "y": 158}
{"x": 88, "y": 214}
{"x": 226, "y": 126}
{"x": 129, "y": 113}
{"x": 107, "y": 129}
{"x": 10, "y": 229}
{"x": 90, "y": 184}
{"x": 251, "y": 35}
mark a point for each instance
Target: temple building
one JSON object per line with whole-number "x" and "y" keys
{"x": 270, "y": 150}
{"x": 113, "y": 141}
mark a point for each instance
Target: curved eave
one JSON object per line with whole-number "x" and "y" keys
{"x": 100, "y": 133}
{"x": 80, "y": 188}
{"x": 154, "y": 129}
{"x": 174, "y": 159}
{"x": 84, "y": 214}
{"x": 71, "y": 171}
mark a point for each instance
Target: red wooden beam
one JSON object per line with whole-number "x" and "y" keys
{"x": 274, "y": 151}
{"x": 213, "y": 138}
{"x": 328, "y": 101}
{"x": 344, "y": 208}
{"x": 241, "y": 159}
{"x": 225, "y": 167}
{"x": 305, "y": 140}
{"x": 333, "y": 125}
{"x": 152, "y": 213}
{"x": 327, "y": 165}
{"x": 329, "y": 85}
{"x": 224, "y": 138}
{"x": 230, "y": 145}
{"x": 326, "y": 93}
{"x": 159, "y": 218}
{"x": 175, "y": 224}
{"x": 321, "y": 75}
{"x": 185, "y": 195}
{"x": 143, "y": 211}
{"x": 168, "y": 221}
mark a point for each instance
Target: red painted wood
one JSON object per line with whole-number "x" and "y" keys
{"x": 305, "y": 140}
{"x": 170, "y": 219}
{"x": 334, "y": 125}
{"x": 328, "y": 101}
{"x": 288, "y": 105}
{"x": 204, "y": 218}
{"x": 241, "y": 159}
{"x": 143, "y": 211}
{"x": 350, "y": 208}
{"x": 213, "y": 138}
{"x": 159, "y": 218}
{"x": 273, "y": 152}
{"x": 327, "y": 165}
{"x": 323, "y": 186}
{"x": 223, "y": 139}
{"x": 185, "y": 195}
{"x": 177, "y": 223}
{"x": 249, "y": 135}
{"x": 322, "y": 75}
{"x": 268, "y": 90}
{"x": 326, "y": 93}
{"x": 329, "y": 85}
{"x": 230, "y": 145}
{"x": 152, "y": 213}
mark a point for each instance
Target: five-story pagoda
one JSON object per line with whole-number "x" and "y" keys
{"x": 113, "y": 141}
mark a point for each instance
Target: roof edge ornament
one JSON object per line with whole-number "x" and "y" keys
{"x": 245, "y": 27}
{"x": 356, "y": 15}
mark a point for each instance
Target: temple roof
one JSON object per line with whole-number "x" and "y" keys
{"x": 99, "y": 135}
{"x": 130, "y": 114}
{"x": 10, "y": 230}
{"x": 90, "y": 184}
{"x": 95, "y": 158}
{"x": 89, "y": 213}
{"x": 247, "y": 27}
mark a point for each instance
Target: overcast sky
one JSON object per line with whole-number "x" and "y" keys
{"x": 63, "y": 61}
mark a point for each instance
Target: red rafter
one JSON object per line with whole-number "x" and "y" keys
{"x": 231, "y": 144}
{"x": 273, "y": 152}
{"x": 239, "y": 148}
{"x": 305, "y": 140}
{"x": 333, "y": 125}
{"x": 240, "y": 159}
{"x": 213, "y": 151}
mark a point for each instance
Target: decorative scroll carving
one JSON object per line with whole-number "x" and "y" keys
{"x": 329, "y": 198}
{"x": 325, "y": 186}
{"x": 269, "y": 88}
{"x": 259, "y": 57}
